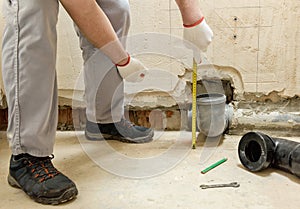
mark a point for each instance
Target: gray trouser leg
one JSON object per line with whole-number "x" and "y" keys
{"x": 104, "y": 91}
{"x": 28, "y": 63}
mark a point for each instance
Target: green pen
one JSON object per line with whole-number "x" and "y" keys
{"x": 214, "y": 165}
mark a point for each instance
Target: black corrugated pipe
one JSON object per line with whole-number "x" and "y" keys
{"x": 258, "y": 151}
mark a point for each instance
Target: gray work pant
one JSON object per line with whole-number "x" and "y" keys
{"x": 28, "y": 64}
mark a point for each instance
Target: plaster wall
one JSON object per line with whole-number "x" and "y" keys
{"x": 256, "y": 45}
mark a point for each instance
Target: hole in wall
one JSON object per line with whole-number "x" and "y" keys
{"x": 215, "y": 87}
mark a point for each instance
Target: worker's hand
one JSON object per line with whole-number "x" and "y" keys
{"x": 133, "y": 70}
{"x": 199, "y": 34}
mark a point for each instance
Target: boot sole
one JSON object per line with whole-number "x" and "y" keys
{"x": 68, "y": 195}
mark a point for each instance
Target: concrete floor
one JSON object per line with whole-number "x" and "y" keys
{"x": 151, "y": 182}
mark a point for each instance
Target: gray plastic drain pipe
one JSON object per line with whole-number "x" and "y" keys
{"x": 213, "y": 114}
{"x": 258, "y": 151}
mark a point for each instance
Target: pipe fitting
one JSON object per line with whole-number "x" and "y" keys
{"x": 258, "y": 151}
{"x": 213, "y": 114}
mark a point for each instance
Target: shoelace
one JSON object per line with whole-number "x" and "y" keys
{"x": 126, "y": 123}
{"x": 42, "y": 168}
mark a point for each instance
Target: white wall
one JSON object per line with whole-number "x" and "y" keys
{"x": 256, "y": 44}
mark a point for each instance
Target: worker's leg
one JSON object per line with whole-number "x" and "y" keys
{"x": 104, "y": 86}
{"x": 29, "y": 57}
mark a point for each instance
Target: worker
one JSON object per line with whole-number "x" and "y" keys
{"x": 28, "y": 63}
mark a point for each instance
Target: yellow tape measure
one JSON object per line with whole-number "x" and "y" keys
{"x": 194, "y": 104}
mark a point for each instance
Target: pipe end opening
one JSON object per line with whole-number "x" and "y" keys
{"x": 256, "y": 151}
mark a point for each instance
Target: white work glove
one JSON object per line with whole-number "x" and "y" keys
{"x": 133, "y": 70}
{"x": 199, "y": 34}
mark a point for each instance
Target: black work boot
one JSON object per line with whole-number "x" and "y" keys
{"x": 123, "y": 131}
{"x": 38, "y": 178}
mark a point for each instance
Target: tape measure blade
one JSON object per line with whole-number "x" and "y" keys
{"x": 194, "y": 103}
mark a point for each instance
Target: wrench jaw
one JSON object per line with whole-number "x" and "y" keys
{"x": 203, "y": 186}
{"x": 233, "y": 184}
